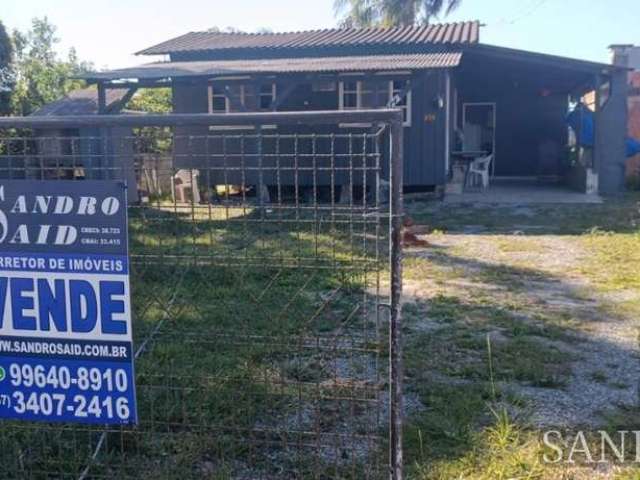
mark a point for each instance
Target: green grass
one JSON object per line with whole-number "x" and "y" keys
{"x": 501, "y": 451}
{"x": 472, "y": 427}
{"x": 613, "y": 265}
{"x": 243, "y": 320}
{"x": 228, "y": 388}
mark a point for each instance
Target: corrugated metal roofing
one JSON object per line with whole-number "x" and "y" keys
{"x": 161, "y": 70}
{"x": 80, "y": 102}
{"x": 434, "y": 34}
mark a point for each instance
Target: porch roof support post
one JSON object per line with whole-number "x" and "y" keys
{"x": 610, "y": 128}
{"x": 102, "y": 99}
{"x": 597, "y": 99}
{"x": 102, "y": 137}
{"x": 447, "y": 128}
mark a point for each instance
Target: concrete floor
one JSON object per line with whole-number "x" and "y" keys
{"x": 521, "y": 192}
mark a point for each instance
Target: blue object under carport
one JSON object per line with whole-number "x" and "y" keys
{"x": 580, "y": 119}
{"x": 633, "y": 147}
{"x": 581, "y": 122}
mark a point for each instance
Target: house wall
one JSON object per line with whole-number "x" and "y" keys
{"x": 69, "y": 153}
{"x": 108, "y": 154}
{"x": 424, "y": 140}
{"x": 189, "y": 98}
{"x": 633, "y": 163}
{"x": 425, "y": 153}
{"x": 634, "y": 106}
{"x": 531, "y": 131}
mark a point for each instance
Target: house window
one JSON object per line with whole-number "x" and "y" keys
{"x": 398, "y": 100}
{"x": 218, "y": 102}
{"x": 242, "y": 96}
{"x": 350, "y": 95}
{"x": 323, "y": 84}
{"x": 267, "y": 96}
{"x": 356, "y": 94}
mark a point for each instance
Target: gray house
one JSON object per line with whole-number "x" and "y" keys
{"x": 457, "y": 94}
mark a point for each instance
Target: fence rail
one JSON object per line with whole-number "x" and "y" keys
{"x": 266, "y": 279}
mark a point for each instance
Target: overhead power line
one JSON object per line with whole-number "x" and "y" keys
{"x": 524, "y": 13}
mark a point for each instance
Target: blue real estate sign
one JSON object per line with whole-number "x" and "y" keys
{"x": 65, "y": 316}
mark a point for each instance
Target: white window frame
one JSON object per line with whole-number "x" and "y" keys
{"x": 227, "y": 107}
{"x": 407, "y": 107}
{"x": 494, "y": 106}
{"x": 273, "y": 95}
{"x": 358, "y": 93}
{"x": 227, "y": 110}
{"x": 324, "y": 84}
{"x": 212, "y": 93}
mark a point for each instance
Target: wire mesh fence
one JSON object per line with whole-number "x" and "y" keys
{"x": 265, "y": 272}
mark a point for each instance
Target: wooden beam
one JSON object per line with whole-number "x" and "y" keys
{"x": 597, "y": 81}
{"x": 447, "y": 128}
{"x": 304, "y": 77}
{"x": 116, "y": 107}
{"x": 234, "y": 106}
{"x": 139, "y": 84}
{"x": 328, "y": 117}
{"x": 102, "y": 99}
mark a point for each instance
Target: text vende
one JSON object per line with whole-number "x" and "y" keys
{"x": 77, "y": 306}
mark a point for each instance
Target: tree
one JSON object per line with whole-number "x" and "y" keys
{"x": 7, "y": 77}
{"x": 41, "y": 76}
{"x": 151, "y": 100}
{"x": 391, "y": 13}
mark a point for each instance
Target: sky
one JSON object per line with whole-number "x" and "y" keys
{"x": 108, "y": 33}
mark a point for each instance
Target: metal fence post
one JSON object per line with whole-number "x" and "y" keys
{"x": 395, "y": 343}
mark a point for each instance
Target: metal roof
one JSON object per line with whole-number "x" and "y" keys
{"x": 433, "y": 34}
{"x": 551, "y": 61}
{"x": 80, "y": 102}
{"x": 162, "y": 70}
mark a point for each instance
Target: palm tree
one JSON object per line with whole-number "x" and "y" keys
{"x": 391, "y": 13}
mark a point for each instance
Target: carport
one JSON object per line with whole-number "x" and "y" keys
{"x": 514, "y": 104}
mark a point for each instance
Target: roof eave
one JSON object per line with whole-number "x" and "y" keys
{"x": 586, "y": 66}
{"x": 162, "y": 73}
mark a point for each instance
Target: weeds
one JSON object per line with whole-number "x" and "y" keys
{"x": 482, "y": 329}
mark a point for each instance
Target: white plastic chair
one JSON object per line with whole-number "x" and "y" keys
{"x": 479, "y": 170}
{"x": 185, "y": 186}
